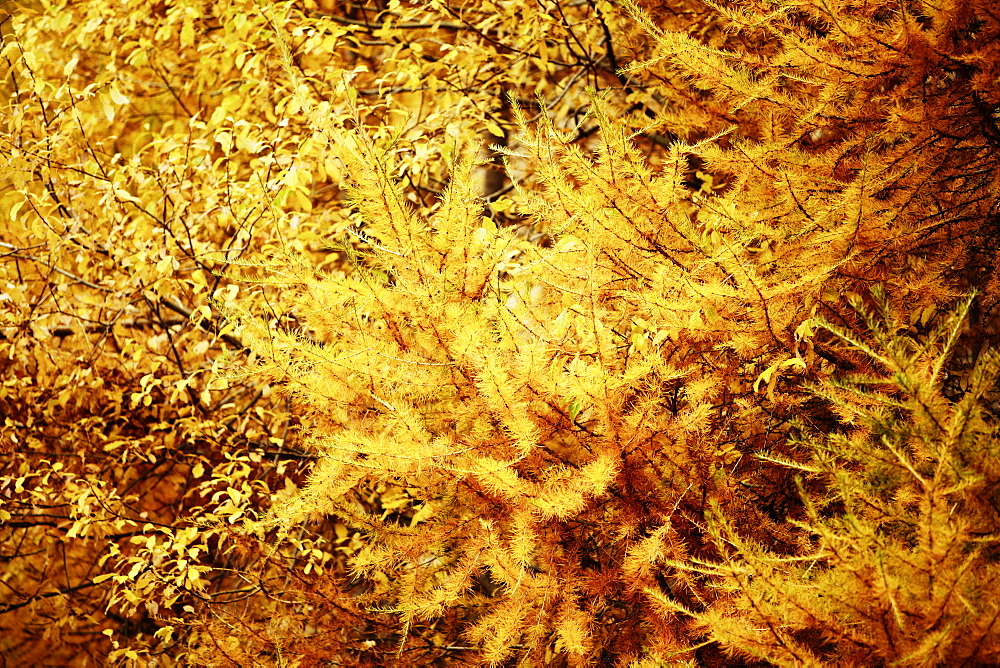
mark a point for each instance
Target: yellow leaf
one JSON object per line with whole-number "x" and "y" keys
{"x": 107, "y": 108}
{"x": 200, "y": 280}
{"x": 187, "y": 33}
{"x": 116, "y": 95}
{"x": 494, "y": 129}
{"x": 15, "y": 209}
{"x": 770, "y": 376}
{"x": 164, "y": 266}
{"x": 125, "y": 195}
{"x": 225, "y": 140}
{"x": 805, "y": 330}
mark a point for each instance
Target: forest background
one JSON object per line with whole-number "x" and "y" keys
{"x": 578, "y": 332}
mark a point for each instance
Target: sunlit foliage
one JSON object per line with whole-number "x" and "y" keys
{"x": 570, "y": 333}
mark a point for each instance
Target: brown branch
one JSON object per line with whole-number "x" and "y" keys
{"x": 50, "y": 594}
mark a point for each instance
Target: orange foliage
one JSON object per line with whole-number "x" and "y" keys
{"x": 453, "y": 333}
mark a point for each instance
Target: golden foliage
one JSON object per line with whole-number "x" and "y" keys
{"x": 296, "y": 371}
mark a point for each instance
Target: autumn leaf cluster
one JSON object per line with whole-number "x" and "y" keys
{"x": 584, "y": 333}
